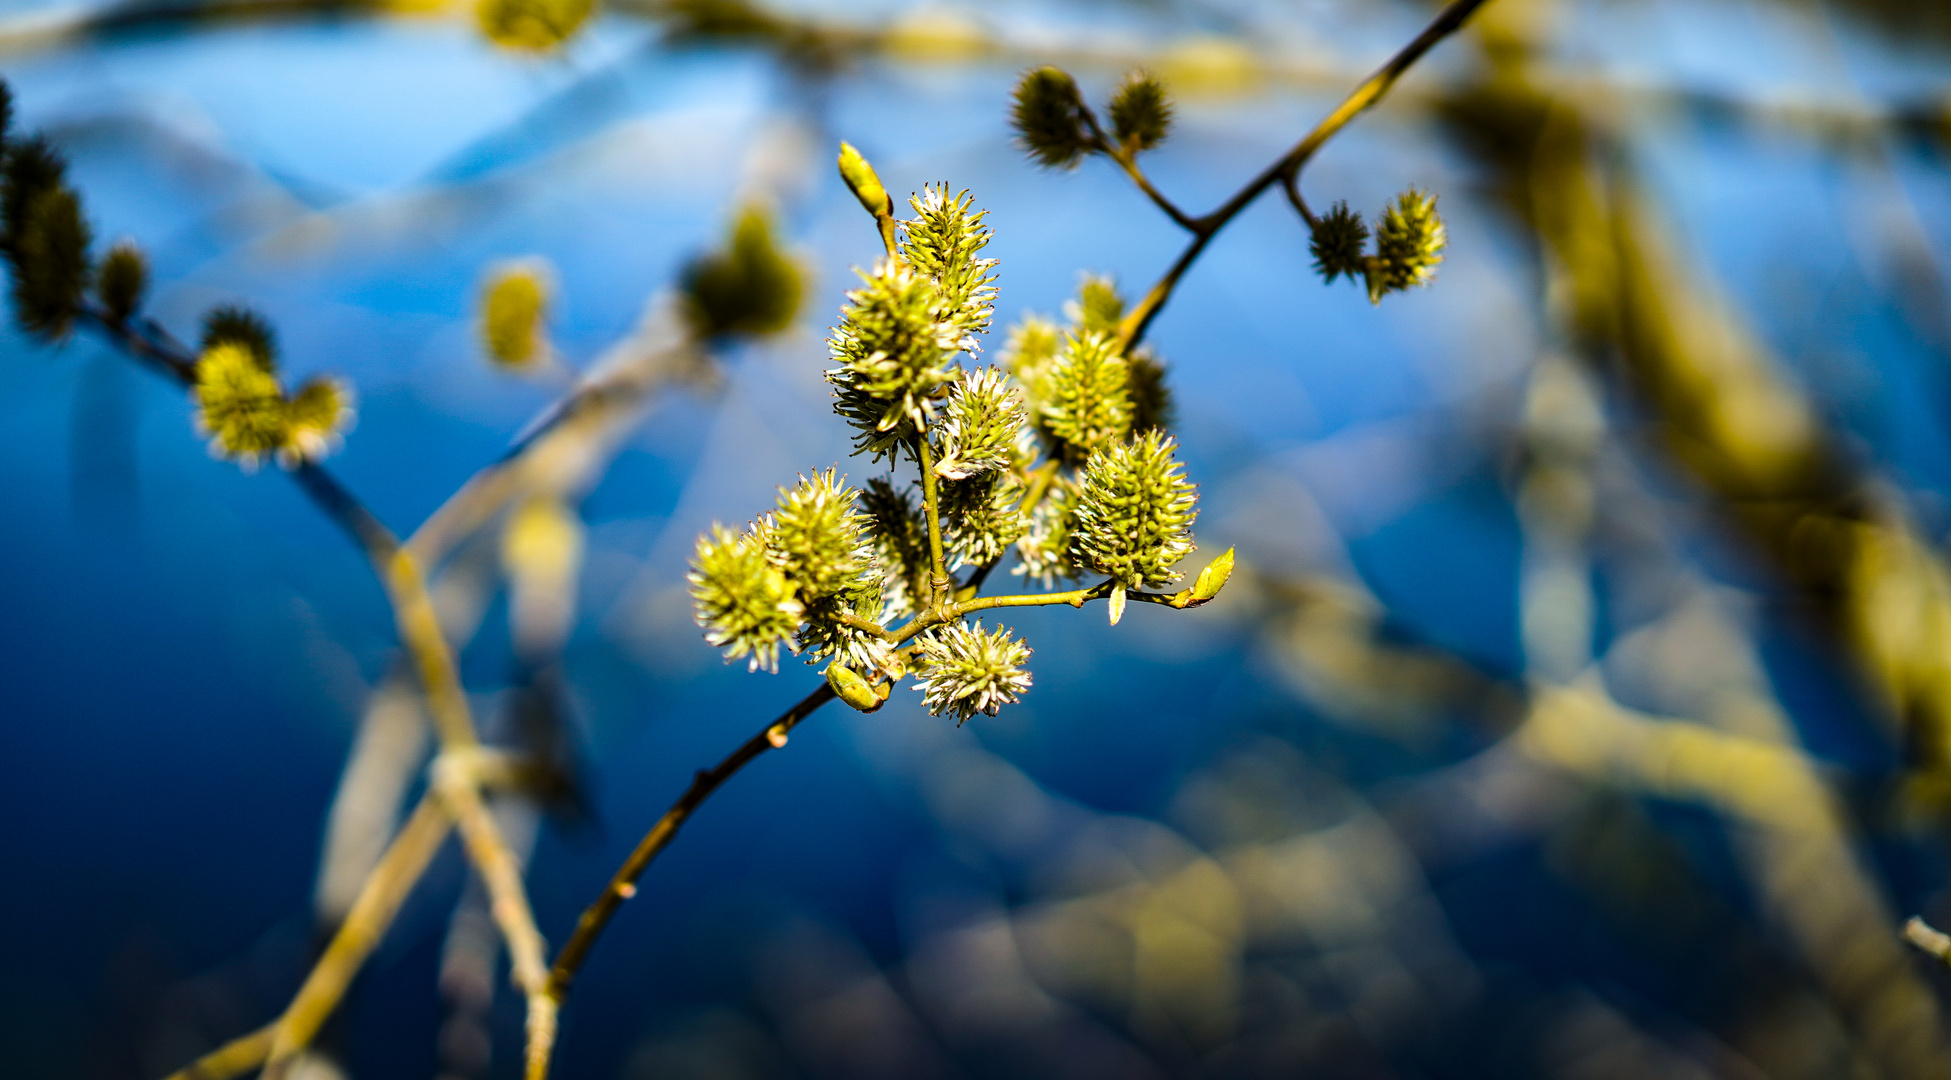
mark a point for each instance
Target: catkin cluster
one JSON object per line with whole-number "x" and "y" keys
{"x": 1056, "y": 457}
{"x": 243, "y": 407}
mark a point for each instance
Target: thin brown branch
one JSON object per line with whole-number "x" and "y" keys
{"x": 501, "y": 873}
{"x": 420, "y": 634}
{"x": 1132, "y": 330}
{"x": 623, "y": 884}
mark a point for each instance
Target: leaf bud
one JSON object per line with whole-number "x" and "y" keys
{"x": 849, "y": 687}
{"x": 122, "y": 280}
{"x": 1141, "y": 114}
{"x": 1213, "y": 577}
{"x": 862, "y": 181}
{"x": 1049, "y": 117}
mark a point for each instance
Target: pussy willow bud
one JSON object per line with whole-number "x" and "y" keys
{"x": 750, "y": 287}
{"x": 1409, "y": 243}
{"x": 1213, "y": 577}
{"x": 849, "y": 687}
{"x": 1151, "y": 400}
{"x": 893, "y": 353}
{"x": 1134, "y": 512}
{"x": 317, "y": 418}
{"x": 964, "y": 671}
{"x": 240, "y": 406}
{"x": 1339, "y": 243}
{"x": 1098, "y": 305}
{"x": 826, "y": 634}
{"x": 1043, "y": 553}
{"x": 50, "y": 264}
{"x": 234, "y": 324}
{"x": 31, "y": 168}
{"x": 1049, "y": 118}
{"x": 1141, "y": 114}
{"x": 1086, "y": 402}
{"x": 815, "y": 537}
{"x": 980, "y": 518}
{"x": 864, "y": 182}
{"x": 121, "y": 280}
{"x": 980, "y": 423}
{"x": 942, "y": 244}
{"x": 514, "y": 314}
{"x": 900, "y": 535}
{"x": 744, "y": 603}
{"x": 531, "y": 25}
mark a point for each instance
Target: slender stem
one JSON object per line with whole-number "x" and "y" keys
{"x": 501, "y": 873}
{"x": 623, "y": 885}
{"x": 1132, "y": 329}
{"x": 1291, "y": 184}
{"x": 931, "y": 504}
{"x": 1128, "y": 160}
{"x": 420, "y": 634}
{"x": 867, "y": 626}
{"x": 1074, "y": 597}
{"x": 234, "y": 1058}
{"x": 379, "y": 900}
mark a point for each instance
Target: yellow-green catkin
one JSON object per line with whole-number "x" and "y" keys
{"x": 514, "y": 313}
{"x": 531, "y": 25}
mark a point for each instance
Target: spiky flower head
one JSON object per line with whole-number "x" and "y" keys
{"x": 750, "y": 287}
{"x": 235, "y": 324}
{"x": 900, "y": 535}
{"x": 1085, "y": 400}
{"x": 964, "y": 671}
{"x": 942, "y": 244}
{"x": 121, "y": 280}
{"x": 1049, "y": 117}
{"x": 815, "y": 537}
{"x": 742, "y": 600}
{"x": 1135, "y": 510}
{"x": 824, "y": 635}
{"x": 50, "y": 263}
{"x": 32, "y": 168}
{"x": 894, "y": 351}
{"x": 514, "y": 313}
{"x": 531, "y": 25}
{"x": 318, "y": 416}
{"x": 1098, "y": 306}
{"x": 1151, "y": 400}
{"x": 1043, "y": 552}
{"x": 981, "y": 517}
{"x": 1339, "y": 243}
{"x": 1408, "y": 245}
{"x": 980, "y": 425}
{"x": 1141, "y": 114}
{"x": 240, "y": 406}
